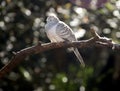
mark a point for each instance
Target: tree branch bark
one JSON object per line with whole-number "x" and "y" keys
{"x": 19, "y": 56}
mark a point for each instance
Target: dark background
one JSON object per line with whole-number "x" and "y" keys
{"x": 22, "y": 25}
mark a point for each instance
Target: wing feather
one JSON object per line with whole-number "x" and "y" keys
{"x": 65, "y": 32}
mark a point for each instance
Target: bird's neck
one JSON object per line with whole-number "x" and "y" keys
{"x": 50, "y": 25}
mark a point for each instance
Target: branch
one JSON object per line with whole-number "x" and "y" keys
{"x": 19, "y": 56}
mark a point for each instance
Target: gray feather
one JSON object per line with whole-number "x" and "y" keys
{"x": 75, "y": 50}
{"x": 65, "y": 32}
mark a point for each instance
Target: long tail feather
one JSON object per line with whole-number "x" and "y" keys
{"x": 75, "y": 50}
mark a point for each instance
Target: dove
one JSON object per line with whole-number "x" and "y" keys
{"x": 58, "y": 31}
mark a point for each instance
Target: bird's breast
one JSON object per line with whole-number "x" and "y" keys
{"x": 52, "y": 35}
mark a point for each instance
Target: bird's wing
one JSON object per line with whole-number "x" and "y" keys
{"x": 65, "y": 32}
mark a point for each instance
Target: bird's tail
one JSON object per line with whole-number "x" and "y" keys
{"x": 75, "y": 50}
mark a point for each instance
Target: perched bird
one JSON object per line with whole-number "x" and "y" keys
{"x": 58, "y": 31}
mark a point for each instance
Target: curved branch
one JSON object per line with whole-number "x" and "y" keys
{"x": 39, "y": 48}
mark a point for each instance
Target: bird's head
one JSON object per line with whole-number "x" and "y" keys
{"x": 52, "y": 19}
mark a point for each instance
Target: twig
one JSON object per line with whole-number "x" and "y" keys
{"x": 39, "y": 48}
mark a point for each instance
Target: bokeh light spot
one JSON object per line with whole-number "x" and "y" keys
{"x": 118, "y": 34}
{"x": 2, "y": 24}
{"x": 52, "y": 87}
{"x": 65, "y": 79}
{"x": 106, "y": 31}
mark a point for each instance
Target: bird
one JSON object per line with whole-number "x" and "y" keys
{"x": 58, "y": 31}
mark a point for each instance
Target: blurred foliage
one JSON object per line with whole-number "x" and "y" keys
{"x": 22, "y": 25}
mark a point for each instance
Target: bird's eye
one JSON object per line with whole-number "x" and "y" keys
{"x": 51, "y": 19}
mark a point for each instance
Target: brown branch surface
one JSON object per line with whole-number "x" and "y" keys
{"x": 39, "y": 48}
